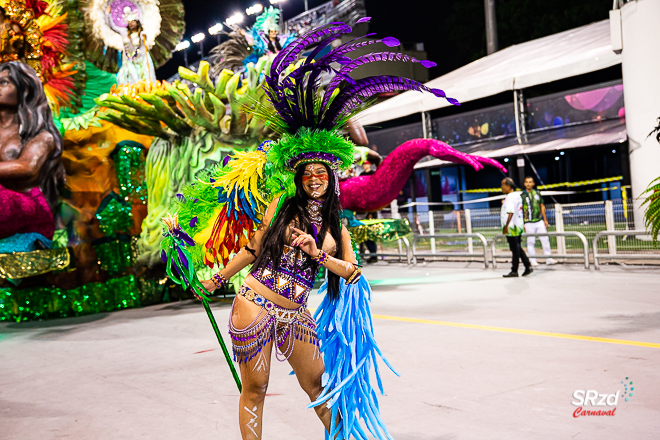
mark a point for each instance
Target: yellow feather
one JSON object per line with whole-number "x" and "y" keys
{"x": 204, "y": 235}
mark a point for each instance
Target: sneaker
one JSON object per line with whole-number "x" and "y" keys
{"x": 550, "y": 261}
{"x": 527, "y": 271}
{"x": 534, "y": 263}
{"x": 511, "y": 275}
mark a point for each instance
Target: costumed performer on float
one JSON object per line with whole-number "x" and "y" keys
{"x": 136, "y": 62}
{"x": 30, "y": 152}
{"x": 248, "y": 46}
{"x": 299, "y": 233}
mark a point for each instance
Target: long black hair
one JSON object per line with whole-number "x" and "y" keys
{"x": 295, "y": 209}
{"x": 35, "y": 117}
{"x": 273, "y": 45}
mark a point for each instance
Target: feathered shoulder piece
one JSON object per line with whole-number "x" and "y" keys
{"x": 226, "y": 205}
{"x": 310, "y": 119}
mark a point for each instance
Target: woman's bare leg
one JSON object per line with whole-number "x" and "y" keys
{"x": 307, "y": 363}
{"x": 254, "y": 374}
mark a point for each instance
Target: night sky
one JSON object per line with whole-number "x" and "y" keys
{"x": 453, "y": 31}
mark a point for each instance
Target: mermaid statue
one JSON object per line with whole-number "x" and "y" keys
{"x": 30, "y": 151}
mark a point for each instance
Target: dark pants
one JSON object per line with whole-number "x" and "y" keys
{"x": 518, "y": 253}
{"x": 371, "y": 245}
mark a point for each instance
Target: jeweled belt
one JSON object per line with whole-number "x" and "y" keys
{"x": 280, "y": 313}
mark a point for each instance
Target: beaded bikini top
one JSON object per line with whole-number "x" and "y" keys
{"x": 292, "y": 280}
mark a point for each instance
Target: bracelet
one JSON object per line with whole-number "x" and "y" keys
{"x": 219, "y": 280}
{"x": 321, "y": 258}
{"x": 355, "y": 276}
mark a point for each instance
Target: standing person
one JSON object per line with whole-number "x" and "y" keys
{"x": 368, "y": 171}
{"x": 512, "y": 227}
{"x": 136, "y": 62}
{"x": 533, "y": 211}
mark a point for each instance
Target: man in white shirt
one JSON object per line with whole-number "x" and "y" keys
{"x": 512, "y": 226}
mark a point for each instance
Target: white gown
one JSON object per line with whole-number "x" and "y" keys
{"x": 137, "y": 64}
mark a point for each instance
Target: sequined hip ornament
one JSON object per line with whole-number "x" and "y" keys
{"x": 273, "y": 322}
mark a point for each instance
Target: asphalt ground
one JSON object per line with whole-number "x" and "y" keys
{"x": 480, "y": 357}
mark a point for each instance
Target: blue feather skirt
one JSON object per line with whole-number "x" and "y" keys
{"x": 345, "y": 329}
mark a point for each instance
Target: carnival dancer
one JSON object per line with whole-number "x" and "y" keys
{"x": 286, "y": 259}
{"x": 137, "y": 64}
{"x": 289, "y": 188}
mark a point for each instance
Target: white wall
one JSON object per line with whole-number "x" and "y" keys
{"x": 641, "y": 85}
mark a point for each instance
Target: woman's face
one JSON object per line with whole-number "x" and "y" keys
{"x": 8, "y": 93}
{"x": 315, "y": 180}
{"x": 272, "y": 33}
{"x": 132, "y": 25}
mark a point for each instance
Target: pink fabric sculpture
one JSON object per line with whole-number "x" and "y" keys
{"x": 24, "y": 212}
{"x": 371, "y": 193}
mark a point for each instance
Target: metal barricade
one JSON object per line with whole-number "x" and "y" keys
{"x": 585, "y": 245}
{"x": 613, "y": 255}
{"x": 405, "y": 242}
{"x": 478, "y": 236}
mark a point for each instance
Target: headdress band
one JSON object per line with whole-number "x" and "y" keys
{"x": 314, "y": 156}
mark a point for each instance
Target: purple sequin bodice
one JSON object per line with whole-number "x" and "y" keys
{"x": 293, "y": 280}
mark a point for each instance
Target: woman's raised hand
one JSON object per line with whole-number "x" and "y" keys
{"x": 305, "y": 242}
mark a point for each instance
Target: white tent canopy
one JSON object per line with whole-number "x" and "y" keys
{"x": 563, "y": 55}
{"x": 599, "y": 133}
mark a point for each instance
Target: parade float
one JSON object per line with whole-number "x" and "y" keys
{"x": 120, "y": 156}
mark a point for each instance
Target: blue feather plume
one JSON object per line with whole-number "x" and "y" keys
{"x": 350, "y": 353}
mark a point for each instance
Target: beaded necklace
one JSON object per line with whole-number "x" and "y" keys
{"x": 314, "y": 209}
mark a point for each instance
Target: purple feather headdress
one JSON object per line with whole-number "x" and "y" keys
{"x": 301, "y": 108}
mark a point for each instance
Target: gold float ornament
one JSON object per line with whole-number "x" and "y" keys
{"x": 19, "y": 265}
{"x": 18, "y": 13}
{"x": 36, "y": 33}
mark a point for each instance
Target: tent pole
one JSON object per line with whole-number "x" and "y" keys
{"x": 491, "y": 26}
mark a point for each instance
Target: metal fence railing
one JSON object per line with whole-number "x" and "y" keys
{"x": 607, "y": 225}
{"x": 617, "y": 245}
{"x": 387, "y": 250}
{"x": 464, "y": 242}
{"x": 586, "y": 218}
{"x": 578, "y": 235}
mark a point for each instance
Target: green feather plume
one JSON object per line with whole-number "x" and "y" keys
{"x": 308, "y": 141}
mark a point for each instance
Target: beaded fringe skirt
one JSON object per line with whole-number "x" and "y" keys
{"x": 272, "y": 323}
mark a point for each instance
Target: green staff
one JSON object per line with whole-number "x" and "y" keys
{"x": 175, "y": 254}
{"x": 207, "y": 307}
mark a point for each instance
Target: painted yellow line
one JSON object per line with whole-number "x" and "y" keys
{"x": 519, "y": 331}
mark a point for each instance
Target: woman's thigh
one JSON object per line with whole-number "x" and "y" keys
{"x": 307, "y": 363}
{"x": 245, "y": 317}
